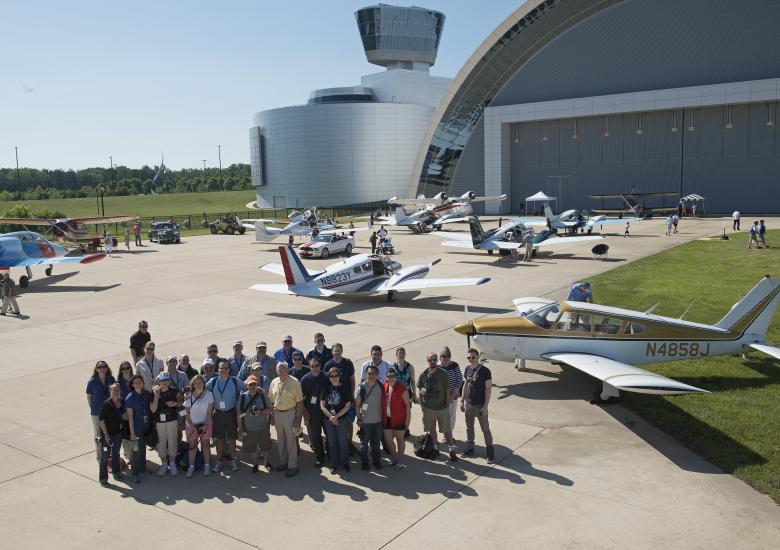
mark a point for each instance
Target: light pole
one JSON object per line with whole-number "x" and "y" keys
{"x": 18, "y": 184}
{"x": 205, "y": 186}
{"x": 219, "y": 154}
{"x": 113, "y": 172}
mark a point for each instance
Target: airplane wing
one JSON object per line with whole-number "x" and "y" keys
{"x": 102, "y": 219}
{"x": 52, "y": 261}
{"x": 452, "y": 236}
{"x": 297, "y": 290}
{"x": 567, "y": 240}
{"x": 769, "y": 350}
{"x": 421, "y": 284}
{"x": 342, "y": 230}
{"x": 25, "y": 221}
{"x": 449, "y": 220}
{"x": 276, "y": 269}
{"x": 530, "y": 222}
{"x": 494, "y": 198}
{"x": 415, "y": 202}
{"x": 613, "y": 221}
{"x": 622, "y": 376}
{"x": 458, "y": 244}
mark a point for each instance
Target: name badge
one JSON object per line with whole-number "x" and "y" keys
{"x": 221, "y": 404}
{"x": 183, "y": 413}
{"x": 313, "y": 399}
{"x": 364, "y": 407}
{"x": 162, "y": 417}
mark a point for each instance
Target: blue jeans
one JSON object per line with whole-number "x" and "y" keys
{"x": 337, "y": 442}
{"x": 115, "y": 445}
{"x": 139, "y": 456}
{"x": 372, "y": 434}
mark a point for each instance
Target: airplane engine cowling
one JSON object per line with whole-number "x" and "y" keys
{"x": 468, "y": 196}
{"x": 442, "y": 196}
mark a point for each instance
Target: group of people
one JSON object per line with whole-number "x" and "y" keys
{"x": 161, "y": 404}
{"x": 672, "y": 222}
{"x": 757, "y": 235}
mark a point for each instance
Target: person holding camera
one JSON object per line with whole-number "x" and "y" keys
{"x": 199, "y": 404}
{"x": 254, "y": 414}
{"x": 165, "y": 409}
{"x": 139, "y": 417}
{"x": 111, "y": 434}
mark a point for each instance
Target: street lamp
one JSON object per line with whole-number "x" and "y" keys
{"x": 113, "y": 172}
{"x": 219, "y": 154}
{"x": 205, "y": 186}
{"x": 18, "y": 184}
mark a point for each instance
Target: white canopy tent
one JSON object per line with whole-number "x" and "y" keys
{"x": 693, "y": 197}
{"x": 540, "y": 197}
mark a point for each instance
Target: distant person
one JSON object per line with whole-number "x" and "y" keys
{"x": 528, "y": 241}
{"x": 127, "y": 238}
{"x": 291, "y": 240}
{"x": 138, "y": 341}
{"x": 97, "y": 393}
{"x": 8, "y": 288}
{"x": 373, "y": 239}
{"x": 626, "y": 230}
{"x": 108, "y": 242}
{"x": 382, "y": 233}
{"x": 762, "y": 233}
{"x": 668, "y": 225}
{"x": 351, "y": 226}
{"x": 693, "y": 208}
{"x": 675, "y": 222}
{"x": 680, "y": 208}
{"x": 735, "y": 217}
{"x": 474, "y": 402}
{"x": 137, "y": 233}
{"x": 753, "y": 235}
{"x": 580, "y": 292}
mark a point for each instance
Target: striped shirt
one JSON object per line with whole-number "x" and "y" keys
{"x": 454, "y": 376}
{"x": 8, "y": 286}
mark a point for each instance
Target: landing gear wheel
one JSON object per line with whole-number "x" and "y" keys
{"x": 325, "y": 253}
{"x": 213, "y": 229}
{"x": 590, "y": 230}
{"x": 241, "y": 230}
{"x": 49, "y": 271}
{"x": 348, "y": 250}
{"x": 24, "y": 281}
{"x": 230, "y": 230}
{"x": 533, "y": 253}
{"x": 391, "y": 296}
{"x": 598, "y": 400}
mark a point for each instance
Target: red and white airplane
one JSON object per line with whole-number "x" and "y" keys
{"x": 437, "y": 210}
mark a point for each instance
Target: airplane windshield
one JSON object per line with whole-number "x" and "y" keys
{"x": 38, "y": 238}
{"x": 544, "y": 316}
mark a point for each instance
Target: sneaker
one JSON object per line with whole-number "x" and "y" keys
{"x": 233, "y": 466}
{"x": 118, "y": 476}
{"x": 281, "y": 468}
{"x": 104, "y": 483}
{"x": 377, "y": 465}
{"x": 174, "y": 470}
{"x": 206, "y": 469}
{"x": 136, "y": 479}
{"x": 318, "y": 463}
{"x": 468, "y": 452}
{"x": 217, "y": 466}
{"x": 269, "y": 467}
{"x": 453, "y": 456}
{"x": 292, "y": 472}
{"x": 190, "y": 471}
{"x": 333, "y": 470}
{"x": 163, "y": 469}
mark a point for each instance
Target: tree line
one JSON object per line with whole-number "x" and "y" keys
{"x": 119, "y": 181}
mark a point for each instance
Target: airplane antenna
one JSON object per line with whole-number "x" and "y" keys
{"x": 652, "y": 309}
{"x": 688, "y": 308}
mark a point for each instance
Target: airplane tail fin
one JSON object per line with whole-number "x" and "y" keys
{"x": 400, "y": 214}
{"x": 754, "y": 312}
{"x": 477, "y": 233}
{"x": 262, "y": 235}
{"x": 294, "y": 271}
{"x": 548, "y": 213}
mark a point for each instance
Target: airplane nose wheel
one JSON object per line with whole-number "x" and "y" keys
{"x": 49, "y": 270}
{"x": 391, "y": 296}
{"x": 24, "y": 281}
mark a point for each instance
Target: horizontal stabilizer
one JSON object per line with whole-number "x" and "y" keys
{"x": 622, "y": 376}
{"x": 458, "y": 244}
{"x": 422, "y": 284}
{"x": 769, "y": 350}
{"x": 276, "y": 269}
{"x": 297, "y": 290}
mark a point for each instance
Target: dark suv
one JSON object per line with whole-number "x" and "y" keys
{"x": 164, "y": 232}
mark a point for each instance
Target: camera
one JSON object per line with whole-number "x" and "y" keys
{"x": 199, "y": 428}
{"x": 254, "y": 411}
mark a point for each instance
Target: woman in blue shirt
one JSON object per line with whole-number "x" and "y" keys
{"x": 97, "y": 393}
{"x": 138, "y": 410}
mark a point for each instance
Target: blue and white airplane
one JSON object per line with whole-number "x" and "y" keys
{"x": 26, "y": 249}
{"x": 572, "y": 220}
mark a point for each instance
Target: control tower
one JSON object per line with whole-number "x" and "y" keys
{"x": 398, "y": 37}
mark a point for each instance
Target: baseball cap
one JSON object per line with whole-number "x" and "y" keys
{"x": 288, "y": 337}
{"x": 238, "y": 343}
{"x": 586, "y": 284}
{"x": 251, "y": 379}
{"x": 261, "y": 344}
{"x": 164, "y": 376}
{"x": 171, "y": 356}
{"x": 208, "y": 361}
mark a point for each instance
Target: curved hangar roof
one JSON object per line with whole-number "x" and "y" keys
{"x": 521, "y": 35}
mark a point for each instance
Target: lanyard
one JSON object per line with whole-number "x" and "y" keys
{"x": 193, "y": 401}
{"x": 222, "y": 387}
{"x": 368, "y": 394}
{"x": 279, "y": 393}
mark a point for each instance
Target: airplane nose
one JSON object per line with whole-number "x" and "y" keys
{"x": 467, "y": 327}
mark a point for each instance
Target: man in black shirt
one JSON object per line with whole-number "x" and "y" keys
{"x": 320, "y": 350}
{"x": 347, "y": 369}
{"x": 312, "y": 385}
{"x": 474, "y": 401}
{"x": 138, "y": 341}
{"x": 111, "y": 434}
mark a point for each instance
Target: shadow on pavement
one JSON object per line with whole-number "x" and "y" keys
{"x": 45, "y": 285}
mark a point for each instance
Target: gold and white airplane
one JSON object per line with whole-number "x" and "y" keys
{"x": 605, "y": 342}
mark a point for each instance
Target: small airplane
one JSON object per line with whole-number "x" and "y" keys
{"x": 438, "y": 210}
{"x": 71, "y": 229}
{"x": 301, "y": 224}
{"x": 506, "y": 238}
{"x": 26, "y": 249}
{"x": 634, "y": 203}
{"x": 572, "y": 220}
{"x": 361, "y": 273}
{"x": 605, "y": 342}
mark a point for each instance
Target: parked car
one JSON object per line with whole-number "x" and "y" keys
{"x": 323, "y": 246}
{"x": 227, "y": 225}
{"x": 165, "y": 232}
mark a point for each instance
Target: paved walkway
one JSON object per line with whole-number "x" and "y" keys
{"x": 570, "y": 475}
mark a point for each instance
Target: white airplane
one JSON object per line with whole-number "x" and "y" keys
{"x": 499, "y": 238}
{"x": 301, "y": 224}
{"x": 605, "y": 342}
{"x": 572, "y": 220}
{"x": 360, "y": 273}
{"x": 438, "y": 210}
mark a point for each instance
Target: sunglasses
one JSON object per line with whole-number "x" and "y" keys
{"x": 297, "y": 358}
{"x": 471, "y": 357}
{"x": 102, "y": 366}
{"x": 212, "y": 351}
{"x": 333, "y": 376}
{"x": 149, "y": 349}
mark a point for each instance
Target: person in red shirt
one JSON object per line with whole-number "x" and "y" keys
{"x": 137, "y": 233}
{"x": 396, "y": 414}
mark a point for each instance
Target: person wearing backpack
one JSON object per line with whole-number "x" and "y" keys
{"x": 369, "y": 403}
{"x": 254, "y": 414}
{"x": 433, "y": 385}
{"x": 474, "y": 402}
{"x": 226, "y": 390}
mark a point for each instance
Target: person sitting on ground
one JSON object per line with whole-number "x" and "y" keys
{"x": 254, "y": 412}
{"x": 199, "y": 404}
{"x": 396, "y": 416}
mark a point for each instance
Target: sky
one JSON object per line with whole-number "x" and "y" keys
{"x": 83, "y": 81}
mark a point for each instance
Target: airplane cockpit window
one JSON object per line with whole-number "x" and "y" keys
{"x": 356, "y": 270}
{"x": 39, "y": 238}
{"x": 606, "y": 325}
{"x": 26, "y": 237}
{"x": 366, "y": 267}
{"x": 544, "y": 316}
{"x": 635, "y": 328}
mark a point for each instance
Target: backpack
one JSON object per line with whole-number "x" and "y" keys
{"x": 211, "y": 383}
{"x": 424, "y": 447}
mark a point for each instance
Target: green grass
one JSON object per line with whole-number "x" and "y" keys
{"x": 147, "y": 206}
{"x": 737, "y": 427}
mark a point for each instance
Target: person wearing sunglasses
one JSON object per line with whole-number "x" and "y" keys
{"x": 212, "y": 352}
{"x": 312, "y": 385}
{"x": 435, "y": 398}
{"x": 335, "y": 401}
{"x": 125, "y": 378}
{"x": 254, "y": 412}
{"x": 320, "y": 350}
{"x": 97, "y": 393}
{"x": 138, "y": 408}
{"x": 149, "y": 366}
{"x": 396, "y": 416}
{"x": 299, "y": 369}
{"x": 474, "y": 402}
{"x": 138, "y": 341}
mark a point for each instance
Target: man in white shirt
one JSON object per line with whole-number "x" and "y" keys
{"x": 377, "y": 361}
{"x": 735, "y": 218}
{"x": 149, "y": 366}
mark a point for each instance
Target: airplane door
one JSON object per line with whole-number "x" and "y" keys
{"x": 378, "y": 267}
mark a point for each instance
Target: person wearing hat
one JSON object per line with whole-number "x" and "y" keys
{"x": 254, "y": 412}
{"x": 208, "y": 370}
{"x": 8, "y": 290}
{"x": 580, "y": 292}
{"x": 285, "y": 353}
{"x": 287, "y": 398}
{"x": 256, "y": 370}
{"x": 166, "y": 413}
{"x": 238, "y": 360}
{"x": 262, "y": 358}
{"x": 179, "y": 380}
